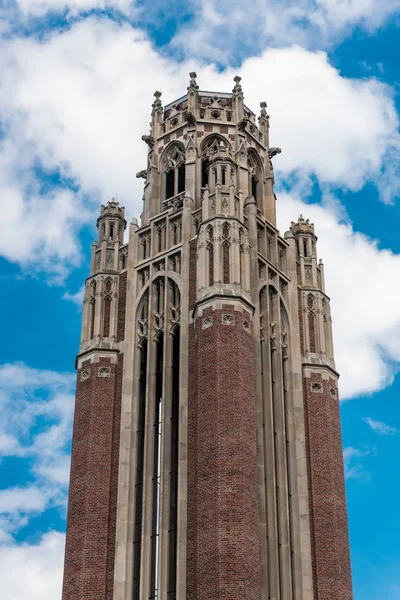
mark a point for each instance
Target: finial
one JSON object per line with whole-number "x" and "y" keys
{"x": 263, "y": 111}
{"x": 237, "y": 90}
{"x": 193, "y": 83}
{"x": 157, "y": 106}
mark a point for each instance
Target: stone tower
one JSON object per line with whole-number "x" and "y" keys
{"x": 206, "y": 460}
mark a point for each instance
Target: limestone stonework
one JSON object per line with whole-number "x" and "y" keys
{"x": 206, "y": 459}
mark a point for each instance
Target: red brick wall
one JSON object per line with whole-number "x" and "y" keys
{"x": 329, "y": 532}
{"x": 89, "y": 553}
{"x": 121, "y": 307}
{"x": 223, "y": 544}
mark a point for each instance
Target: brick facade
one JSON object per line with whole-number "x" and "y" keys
{"x": 327, "y": 496}
{"x": 223, "y": 541}
{"x": 89, "y": 554}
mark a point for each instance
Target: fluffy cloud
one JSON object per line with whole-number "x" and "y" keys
{"x": 366, "y": 319}
{"x": 38, "y": 8}
{"x": 36, "y": 409}
{"x": 379, "y": 427}
{"x": 222, "y": 31}
{"x": 32, "y": 571}
{"x": 353, "y": 465}
{"x": 75, "y": 105}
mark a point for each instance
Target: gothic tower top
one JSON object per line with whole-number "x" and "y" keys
{"x": 205, "y": 129}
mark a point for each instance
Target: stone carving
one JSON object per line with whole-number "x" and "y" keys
{"x": 273, "y": 152}
{"x": 157, "y": 106}
{"x": 207, "y": 322}
{"x": 243, "y": 124}
{"x": 193, "y": 83}
{"x": 228, "y": 319}
{"x": 85, "y": 374}
{"x": 316, "y": 387}
{"x": 104, "y": 372}
{"x": 237, "y": 89}
{"x": 149, "y": 140}
{"x": 190, "y": 119}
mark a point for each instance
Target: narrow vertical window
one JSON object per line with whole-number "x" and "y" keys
{"x": 92, "y": 310}
{"x": 170, "y": 183}
{"x": 92, "y": 317}
{"x": 225, "y": 252}
{"x": 173, "y": 516}
{"x": 311, "y": 323}
{"x": 181, "y": 178}
{"x": 156, "y": 483}
{"x": 286, "y": 416}
{"x": 107, "y": 309}
{"x": 223, "y": 176}
{"x": 254, "y": 187}
{"x": 210, "y": 249}
{"x": 204, "y": 172}
{"x": 137, "y": 530}
{"x": 311, "y": 330}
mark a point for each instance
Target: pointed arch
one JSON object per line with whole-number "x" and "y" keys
{"x": 207, "y": 144}
{"x": 226, "y": 245}
{"x": 256, "y": 176}
{"x": 173, "y": 170}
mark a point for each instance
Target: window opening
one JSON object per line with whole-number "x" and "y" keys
{"x": 181, "y": 178}
{"x": 204, "y": 172}
{"x": 137, "y": 532}
{"x": 170, "y": 184}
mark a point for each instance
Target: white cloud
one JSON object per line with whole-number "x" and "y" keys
{"x": 222, "y": 31}
{"x": 380, "y": 427}
{"x": 364, "y": 294}
{"x": 78, "y": 102}
{"x": 32, "y": 571}
{"x": 353, "y": 466}
{"x": 22, "y": 500}
{"x": 36, "y": 425}
{"x": 76, "y": 298}
{"x": 38, "y": 8}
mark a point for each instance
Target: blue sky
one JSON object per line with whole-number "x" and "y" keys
{"x": 75, "y": 98}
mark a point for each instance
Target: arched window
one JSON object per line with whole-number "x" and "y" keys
{"x": 255, "y": 177}
{"x": 311, "y": 323}
{"x": 107, "y": 307}
{"x": 226, "y": 231}
{"x": 210, "y": 251}
{"x": 92, "y": 309}
{"x": 209, "y": 147}
{"x": 170, "y": 183}
{"x": 204, "y": 172}
{"x": 174, "y": 171}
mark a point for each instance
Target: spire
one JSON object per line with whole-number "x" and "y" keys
{"x": 157, "y": 106}
{"x": 237, "y": 90}
{"x": 193, "y": 95}
{"x": 193, "y": 83}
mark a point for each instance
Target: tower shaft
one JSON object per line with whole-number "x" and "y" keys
{"x": 206, "y": 458}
